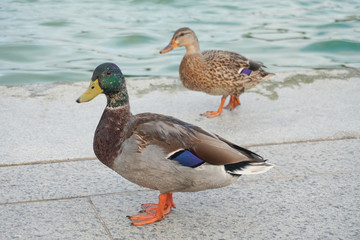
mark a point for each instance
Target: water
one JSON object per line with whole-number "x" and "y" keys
{"x": 63, "y": 41}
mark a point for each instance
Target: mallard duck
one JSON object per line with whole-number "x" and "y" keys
{"x": 215, "y": 72}
{"x": 161, "y": 152}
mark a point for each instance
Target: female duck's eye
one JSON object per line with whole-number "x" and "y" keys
{"x": 182, "y": 34}
{"x": 108, "y": 73}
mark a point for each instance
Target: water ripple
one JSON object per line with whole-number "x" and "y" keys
{"x": 334, "y": 46}
{"x": 64, "y": 40}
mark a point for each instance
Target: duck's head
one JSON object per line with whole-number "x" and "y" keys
{"x": 183, "y": 37}
{"x": 108, "y": 79}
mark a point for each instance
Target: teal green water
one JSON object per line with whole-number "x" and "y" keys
{"x": 63, "y": 41}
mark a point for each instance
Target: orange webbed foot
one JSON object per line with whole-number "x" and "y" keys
{"x": 211, "y": 114}
{"x": 152, "y": 212}
{"x": 144, "y": 218}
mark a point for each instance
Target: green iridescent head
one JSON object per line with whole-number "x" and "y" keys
{"x": 108, "y": 79}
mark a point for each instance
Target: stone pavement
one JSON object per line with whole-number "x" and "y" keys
{"x": 305, "y": 123}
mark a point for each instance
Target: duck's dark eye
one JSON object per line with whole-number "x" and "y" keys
{"x": 108, "y": 73}
{"x": 182, "y": 34}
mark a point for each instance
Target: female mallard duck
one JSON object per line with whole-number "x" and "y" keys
{"x": 161, "y": 152}
{"x": 215, "y": 72}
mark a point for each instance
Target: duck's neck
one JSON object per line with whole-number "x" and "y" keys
{"x": 117, "y": 99}
{"x": 193, "y": 48}
{"x": 111, "y": 133}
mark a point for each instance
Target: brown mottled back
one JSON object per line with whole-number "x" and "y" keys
{"x": 216, "y": 72}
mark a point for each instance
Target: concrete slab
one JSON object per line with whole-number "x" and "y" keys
{"x": 43, "y": 122}
{"x": 323, "y": 105}
{"x": 313, "y": 157}
{"x": 289, "y": 208}
{"x": 66, "y": 219}
{"x": 59, "y": 180}
{"x": 40, "y": 122}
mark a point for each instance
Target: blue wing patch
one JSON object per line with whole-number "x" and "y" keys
{"x": 245, "y": 71}
{"x": 186, "y": 158}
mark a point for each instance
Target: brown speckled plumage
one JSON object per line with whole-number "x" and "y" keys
{"x": 215, "y": 72}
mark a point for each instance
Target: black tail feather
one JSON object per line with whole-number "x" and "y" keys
{"x": 255, "y": 65}
{"x": 231, "y": 168}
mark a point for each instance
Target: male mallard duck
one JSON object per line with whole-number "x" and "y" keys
{"x": 215, "y": 72}
{"x": 161, "y": 152}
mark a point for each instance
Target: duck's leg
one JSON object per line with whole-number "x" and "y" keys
{"x": 153, "y": 212}
{"x": 233, "y": 103}
{"x": 211, "y": 114}
{"x": 237, "y": 101}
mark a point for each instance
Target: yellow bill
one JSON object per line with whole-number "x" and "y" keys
{"x": 93, "y": 90}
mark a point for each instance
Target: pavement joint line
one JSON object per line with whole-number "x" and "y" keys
{"x": 48, "y": 161}
{"x": 301, "y": 176}
{"x": 300, "y": 141}
{"x": 100, "y": 218}
{"x": 245, "y": 145}
{"x": 75, "y": 197}
{"x": 279, "y": 172}
{"x": 149, "y": 190}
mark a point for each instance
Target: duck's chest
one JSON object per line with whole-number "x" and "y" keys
{"x": 109, "y": 135}
{"x": 193, "y": 73}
